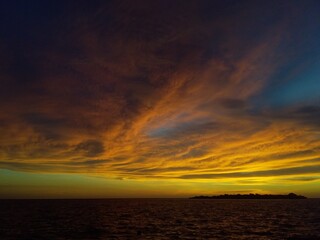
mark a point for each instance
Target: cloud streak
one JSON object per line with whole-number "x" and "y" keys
{"x": 158, "y": 90}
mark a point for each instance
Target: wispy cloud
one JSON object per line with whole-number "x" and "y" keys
{"x": 156, "y": 90}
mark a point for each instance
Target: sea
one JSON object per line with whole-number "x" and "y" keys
{"x": 160, "y": 219}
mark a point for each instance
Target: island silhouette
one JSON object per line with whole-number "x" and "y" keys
{"x": 251, "y": 196}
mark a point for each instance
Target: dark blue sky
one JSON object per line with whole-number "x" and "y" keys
{"x": 162, "y": 90}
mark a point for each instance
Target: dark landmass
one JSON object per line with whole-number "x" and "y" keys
{"x": 252, "y": 196}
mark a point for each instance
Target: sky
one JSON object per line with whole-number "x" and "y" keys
{"x": 167, "y": 98}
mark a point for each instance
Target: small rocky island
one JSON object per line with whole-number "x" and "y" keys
{"x": 252, "y": 196}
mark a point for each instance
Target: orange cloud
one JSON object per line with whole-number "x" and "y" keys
{"x": 128, "y": 93}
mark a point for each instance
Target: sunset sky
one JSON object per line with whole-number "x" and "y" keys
{"x": 159, "y": 98}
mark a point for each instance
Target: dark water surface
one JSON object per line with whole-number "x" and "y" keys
{"x": 160, "y": 219}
